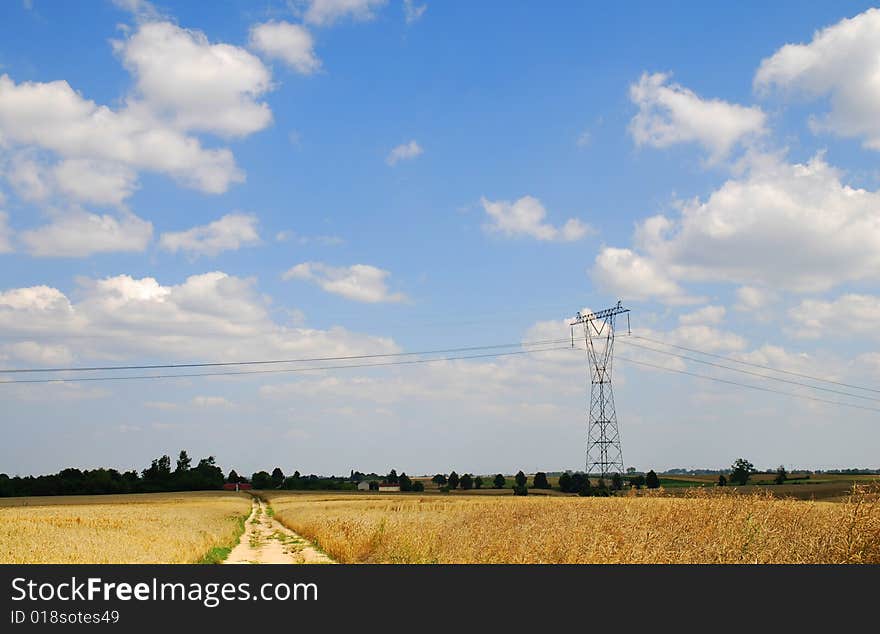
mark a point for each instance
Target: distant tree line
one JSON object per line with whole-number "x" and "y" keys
{"x": 158, "y": 477}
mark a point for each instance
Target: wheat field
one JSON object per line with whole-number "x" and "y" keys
{"x": 142, "y": 528}
{"x": 705, "y": 526}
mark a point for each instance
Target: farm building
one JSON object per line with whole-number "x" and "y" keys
{"x": 386, "y": 486}
{"x": 236, "y": 486}
{"x": 363, "y": 485}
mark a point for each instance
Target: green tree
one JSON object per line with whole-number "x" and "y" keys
{"x": 722, "y": 481}
{"x": 439, "y": 479}
{"x": 651, "y": 480}
{"x": 616, "y": 482}
{"x": 232, "y": 477}
{"x": 565, "y": 482}
{"x": 405, "y": 482}
{"x": 183, "y": 463}
{"x": 391, "y": 478}
{"x": 499, "y": 481}
{"x": 478, "y": 482}
{"x": 540, "y": 481}
{"x": 520, "y": 479}
{"x": 741, "y": 470}
{"x": 781, "y": 475}
{"x": 466, "y": 482}
{"x": 630, "y": 471}
{"x": 638, "y": 481}
{"x": 418, "y": 486}
{"x": 277, "y": 477}
{"x": 261, "y": 480}
{"x": 452, "y": 480}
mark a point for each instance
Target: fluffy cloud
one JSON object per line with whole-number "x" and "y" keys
{"x": 290, "y": 43}
{"x": 670, "y": 114}
{"x": 54, "y": 117}
{"x": 851, "y": 313}
{"x": 98, "y": 182}
{"x": 197, "y": 85}
{"x": 752, "y": 298}
{"x": 35, "y": 353}
{"x": 404, "y": 152}
{"x": 629, "y": 275}
{"x": 525, "y": 217}
{"x": 80, "y": 233}
{"x": 830, "y": 231}
{"x": 211, "y": 317}
{"x": 843, "y": 63}
{"x": 359, "y": 282}
{"x": 327, "y": 12}
{"x": 229, "y": 233}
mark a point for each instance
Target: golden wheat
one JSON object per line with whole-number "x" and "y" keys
{"x": 144, "y": 528}
{"x": 704, "y": 527}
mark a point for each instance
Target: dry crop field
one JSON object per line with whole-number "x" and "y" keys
{"x": 705, "y": 526}
{"x": 140, "y": 528}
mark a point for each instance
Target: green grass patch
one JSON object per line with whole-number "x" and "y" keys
{"x": 218, "y": 554}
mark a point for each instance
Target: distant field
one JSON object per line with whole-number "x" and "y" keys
{"x": 139, "y": 528}
{"x": 706, "y": 526}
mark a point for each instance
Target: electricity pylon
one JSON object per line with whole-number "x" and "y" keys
{"x": 604, "y": 455}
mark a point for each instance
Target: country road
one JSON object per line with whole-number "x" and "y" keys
{"x": 267, "y": 541}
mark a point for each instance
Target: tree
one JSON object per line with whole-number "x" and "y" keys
{"x": 630, "y": 471}
{"x": 565, "y": 483}
{"x": 638, "y": 481}
{"x": 391, "y": 478}
{"x": 232, "y": 477}
{"x": 741, "y": 470}
{"x": 405, "y": 482}
{"x": 466, "y": 482}
{"x": 439, "y": 479}
{"x": 277, "y": 477}
{"x": 584, "y": 488}
{"x": 781, "y": 475}
{"x": 452, "y": 481}
{"x": 478, "y": 482}
{"x": 374, "y": 485}
{"x": 183, "y": 463}
{"x": 616, "y": 482}
{"x": 261, "y": 480}
{"x": 722, "y": 481}
{"x": 418, "y": 487}
{"x": 499, "y": 481}
{"x": 651, "y": 480}
{"x": 520, "y": 479}
{"x": 540, "y": 481}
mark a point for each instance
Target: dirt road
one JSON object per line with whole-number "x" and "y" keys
{"x": 266, "y": 541}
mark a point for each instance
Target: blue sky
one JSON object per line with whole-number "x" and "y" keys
{"x": 330, "y": 177}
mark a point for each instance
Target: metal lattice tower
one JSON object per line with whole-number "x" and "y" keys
{"x": 604, "y": 455}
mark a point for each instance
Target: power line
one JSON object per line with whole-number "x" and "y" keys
{"x": 758, "y": 365}
{"x": 758, "y": 374}
{"x": 168, "y": 366}
{"x": 283, "y": 370}
{"x": 747, "y": 385}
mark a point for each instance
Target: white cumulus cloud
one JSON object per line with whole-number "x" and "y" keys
{"x": 80, "y": 233}
{"x": 526, "y": 217}
{"x": 327, "y": 12}
{"x": 290, "y": 43}
{"x": 842, "y": 62}
{"x": 359, "y": 282}
{"x": 229, "y": 233}
{"x": 670, "y": 114}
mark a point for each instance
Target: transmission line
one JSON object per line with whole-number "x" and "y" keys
{"x": 168, "y": 366}
{"x": 749, "y": 372}
{"x": 282, "y": 370}
{"x": 747, "y": 385}
{"x": 758, "y": 365}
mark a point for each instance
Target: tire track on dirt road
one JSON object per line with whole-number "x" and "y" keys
{"x": 267, "y": 541}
